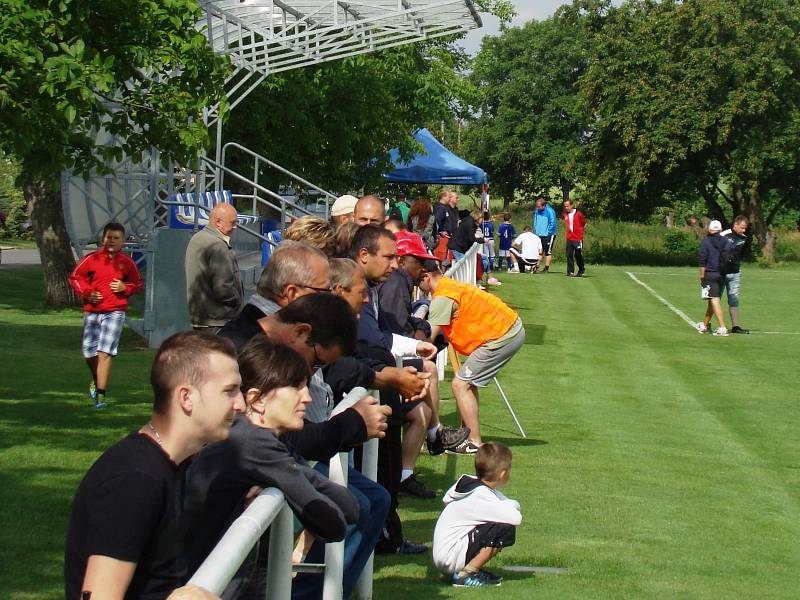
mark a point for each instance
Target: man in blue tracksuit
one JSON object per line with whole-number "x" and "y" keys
{"x": 545, "y": 226}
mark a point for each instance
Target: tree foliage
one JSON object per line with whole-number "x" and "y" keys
{"x": 698, "y": 96}
{"x": 527, "y": 130}
{"x": 336, "y": 122}
{"x": 138, "y": 69}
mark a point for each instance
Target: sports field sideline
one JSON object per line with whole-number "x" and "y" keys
{"x": 659, "y": 463}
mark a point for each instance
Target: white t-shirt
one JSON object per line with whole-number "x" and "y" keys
{"x": 531, "y": 245}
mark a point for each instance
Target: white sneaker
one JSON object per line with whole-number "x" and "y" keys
{"x": 721, "y": 331}
{"x": 514, "y": 270}
{"x": 702, "y": 328}
{"x": 493, "y": 281}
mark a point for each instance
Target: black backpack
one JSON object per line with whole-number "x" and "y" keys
{"x": 728, "y": 257}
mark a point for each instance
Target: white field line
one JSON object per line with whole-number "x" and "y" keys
{"x": 682, "y": 314}
{"x": 684, "y": 275}
{"x": 663, "y": 301}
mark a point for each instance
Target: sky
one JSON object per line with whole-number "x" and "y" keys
{"x": 526, "y": 10}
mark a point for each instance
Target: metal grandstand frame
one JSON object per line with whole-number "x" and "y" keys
{"x": 261, "y": 37}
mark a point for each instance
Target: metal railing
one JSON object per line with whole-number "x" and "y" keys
{"x": 270, "y": 511}
{"x": 466, "y": 269}
{"x": 258, "y": 162}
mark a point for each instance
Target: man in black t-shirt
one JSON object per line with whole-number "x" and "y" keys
{"x": 125, "y": 538}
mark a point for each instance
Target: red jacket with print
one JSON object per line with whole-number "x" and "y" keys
{"x": 96, "y": 272}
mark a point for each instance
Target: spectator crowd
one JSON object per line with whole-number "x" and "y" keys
{"x": 252, "y": 398}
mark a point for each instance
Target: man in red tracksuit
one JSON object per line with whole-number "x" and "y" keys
{"x": 574, "y": 222}
{"x": 104, "y": 280}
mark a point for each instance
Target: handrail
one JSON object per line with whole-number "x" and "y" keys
{"x": 274, "y": 165}
{"x": 256, "y": 186}
{"x": 197, "y": 205}
{"x": 465, "y": 270}
{"x": 221, "y": 564}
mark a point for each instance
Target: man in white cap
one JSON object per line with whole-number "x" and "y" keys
{"x": 714, "y": 250}
{"x": 342, "y": 209}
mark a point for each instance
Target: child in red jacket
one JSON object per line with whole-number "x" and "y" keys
{"x": 104, "y": 280}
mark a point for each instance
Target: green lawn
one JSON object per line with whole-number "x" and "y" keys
{"x": 659, "y": 463}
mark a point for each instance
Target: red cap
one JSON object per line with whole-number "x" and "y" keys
{"x": 411, "y": 244}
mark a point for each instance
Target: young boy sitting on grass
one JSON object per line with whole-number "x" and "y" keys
{"x": 478, "y": 521}
{"x": 104, "y": 280}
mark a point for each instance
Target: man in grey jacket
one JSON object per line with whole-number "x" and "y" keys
{"x": 214, "y": 289}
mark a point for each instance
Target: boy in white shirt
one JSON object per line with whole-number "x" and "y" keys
{"x": 478, "y": 521}
{"x": 526, "y": 251}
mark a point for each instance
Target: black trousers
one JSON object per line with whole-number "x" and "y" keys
{"x": 390, "y": 467}
{"x": 574, "y": 255}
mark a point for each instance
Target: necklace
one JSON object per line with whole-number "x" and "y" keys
{"x": 155, "y": 433}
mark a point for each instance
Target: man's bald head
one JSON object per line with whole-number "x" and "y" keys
{"x": 369, "y": 211}
{"x": 223, "y": 218}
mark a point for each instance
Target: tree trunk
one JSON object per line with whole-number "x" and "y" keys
{"x": 47, "y": 219}
{"x": 752, "y": 210}
{"x": 566, "y": 188}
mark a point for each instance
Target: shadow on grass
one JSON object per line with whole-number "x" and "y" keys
{"x": 534, "y": 334}
{"x": 35, "y": 508}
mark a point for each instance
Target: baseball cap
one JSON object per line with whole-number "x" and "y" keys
{"x": 714, "y": 226}
{"x": 344, "y": 205}
{"x": 411, "y": 244}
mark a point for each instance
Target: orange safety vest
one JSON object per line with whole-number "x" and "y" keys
{"x": 481, "y": 317}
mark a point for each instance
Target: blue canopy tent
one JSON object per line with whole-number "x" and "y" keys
{"x": 436, "y": 164}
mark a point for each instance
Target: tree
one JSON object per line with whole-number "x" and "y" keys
{"x": 134, "y": 68}
{"x": 698, "y": 96}
{"x": 527, "y": 131}
{"x": 338, "y": 121}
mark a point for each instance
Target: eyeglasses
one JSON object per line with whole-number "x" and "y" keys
{"x": 317, "y": 364}
{"x": 316, "y": 289}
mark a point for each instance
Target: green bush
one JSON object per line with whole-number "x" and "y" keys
{"x": 787, "y": 245}
{"x": 678, "y": 241}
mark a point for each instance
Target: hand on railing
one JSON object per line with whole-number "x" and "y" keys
{"x": 374, "y": 416}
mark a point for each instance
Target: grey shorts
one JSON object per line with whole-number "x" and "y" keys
{"x": 732, "y": 281}
{"x": 483, "y": 364}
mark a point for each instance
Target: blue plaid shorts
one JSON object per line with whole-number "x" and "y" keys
{"x": 101, "y": 332}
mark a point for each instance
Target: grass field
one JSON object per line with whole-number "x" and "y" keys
{"x": 659, "y": 463}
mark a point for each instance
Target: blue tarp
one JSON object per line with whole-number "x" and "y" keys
{"x": 435, "y": 165}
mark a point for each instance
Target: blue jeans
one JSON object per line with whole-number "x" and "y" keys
{"x": 373, "y": 504}
{"x": 457, "y": 255}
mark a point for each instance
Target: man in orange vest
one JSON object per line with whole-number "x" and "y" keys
{"x": 479, "y": 326}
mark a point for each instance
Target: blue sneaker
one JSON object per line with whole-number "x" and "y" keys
{"x": 478, "y": 579}
{"x": 99, "y": 405}
{"x": 92, "y": 392}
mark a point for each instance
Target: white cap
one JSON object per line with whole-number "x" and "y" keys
{"x": 344, "y": 205}
{"x": 714, "y": 226}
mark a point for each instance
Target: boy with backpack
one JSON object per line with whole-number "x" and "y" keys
{"x": 716, "y": 256}
{"x": 104, "y": 280}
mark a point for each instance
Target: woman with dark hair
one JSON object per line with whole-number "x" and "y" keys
{"x": 420, "y": 220}
{"x": 275, "y": 388}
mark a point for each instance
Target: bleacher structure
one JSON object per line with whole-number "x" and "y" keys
{"x": 261, "y": 37}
